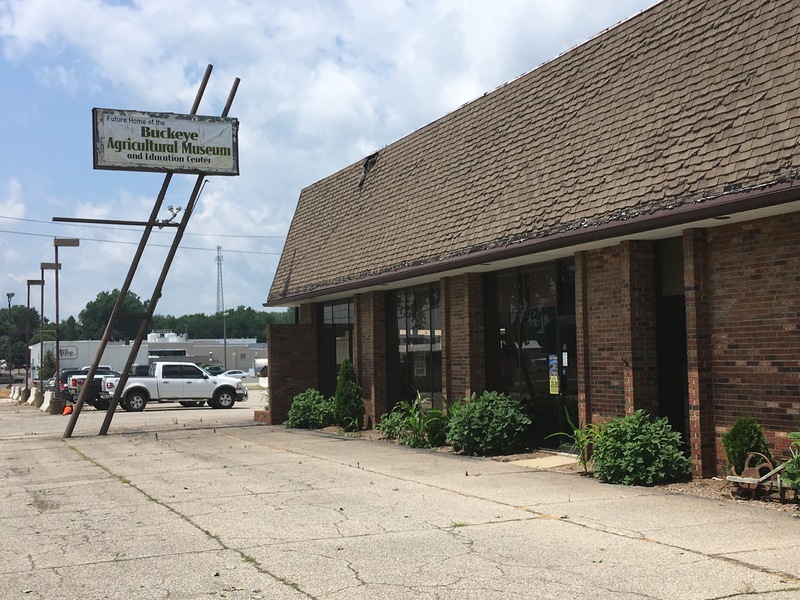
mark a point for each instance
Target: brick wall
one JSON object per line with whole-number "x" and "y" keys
{"x": 754, "y": 307}
{"x": 605, "y": 338}
{"x": 292, "y": 354}
{"x": 585, "y": 405}
{"x": 369, "y": 349}
{"x": 463, "y": 346}
{"x": 615, "y": 316}
{"x": 639, "y": 293}
{"x": 702, "y": 432}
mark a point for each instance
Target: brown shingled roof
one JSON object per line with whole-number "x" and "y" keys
{"x": 681, "y": 104}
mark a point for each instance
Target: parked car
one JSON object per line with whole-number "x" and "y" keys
{"x": 212, "y": 369}
{"x": 235, "y": 373}
{"x": 181, "y": 382}
{"x": 76, "y": 381}
{"x": 140, "y": 370}
{"x": 8, "y": 378}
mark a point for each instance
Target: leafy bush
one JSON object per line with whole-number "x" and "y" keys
{"x": 348, "y": 403}
{"x": 636, "y": 450}
{"x": 488, "y": 424}
{"x": 583, "y": 439}
{"x": 393, "y": 423}
{"x": 745, "y": 436}
{"x": 791, "y": 473}
{"x": 310, "y": 410}
{"x": 414, "y": 426}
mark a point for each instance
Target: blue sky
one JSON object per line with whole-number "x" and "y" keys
{"x": 323, "y": 84}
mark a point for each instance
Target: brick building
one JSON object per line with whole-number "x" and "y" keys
{"x": 617, "y": 229}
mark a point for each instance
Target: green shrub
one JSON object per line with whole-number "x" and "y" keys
{"x": 791, "y": 474}
{"x": 310, "y": 410}
{"x": 393, "y": 423}
{"x": 488, "y": 424}
{"x": 745, "y": 436}
{"x": 636, "y": 450}
{"x": 348, "y": 403}
{"x": 583, "y": 439}
{"x": 412, "y": 425}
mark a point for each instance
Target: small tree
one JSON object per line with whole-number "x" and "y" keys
{"x": 48, "y": 365}
{"x": 348, "y": 405}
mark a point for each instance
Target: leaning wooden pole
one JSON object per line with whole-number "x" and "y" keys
{"x": 151, "y": 306}
{"x": 152, "y": 221}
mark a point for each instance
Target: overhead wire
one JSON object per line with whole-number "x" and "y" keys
{"x": 134, "y": 229}
{"x": 136, "y": 243}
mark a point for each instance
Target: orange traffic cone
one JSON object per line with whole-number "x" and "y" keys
{"x": 67, "y": 410}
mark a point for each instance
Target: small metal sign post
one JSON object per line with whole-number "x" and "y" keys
{"x": 156, "y": 142}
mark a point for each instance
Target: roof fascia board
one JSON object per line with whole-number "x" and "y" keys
{"x": 684, "y": 214}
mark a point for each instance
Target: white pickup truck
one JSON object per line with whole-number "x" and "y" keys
{"x": 175, "y": 382}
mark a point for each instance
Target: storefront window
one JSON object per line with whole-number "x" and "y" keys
{"x": 338, "y": 318}
{"x": 526, "y": 302}
{"x": 419, "y": 337}
{"x": 531, "y": 321}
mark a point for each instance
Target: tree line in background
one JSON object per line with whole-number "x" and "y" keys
{"x": 91, "y": 323}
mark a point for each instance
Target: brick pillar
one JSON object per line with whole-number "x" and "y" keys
{"x": 292, "y": 356}
{"x": 702, "y": 433}
{"x": 369, "y": 348}
{"x": 582, "y": 327}
{"x": 463, "y": 341}
{"x": 639, "y": 299}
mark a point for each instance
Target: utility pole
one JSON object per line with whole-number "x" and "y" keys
{"x": 221, "y": 308}
{"x": 220, "y": 293}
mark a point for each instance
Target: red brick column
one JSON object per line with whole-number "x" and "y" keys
{"x": 370, "y": 354}
{"x": 463, "y": 339}
{"x": 702, "y": 431}
{"x": 582, "y": 327}
{"x": 639, "y": 298}
{"x": 615, "y": 318}
{"x": 292, "y": 355}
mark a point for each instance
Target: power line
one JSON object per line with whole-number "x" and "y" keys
{"x": 85, "y": 239}
{"x": 134, "y": 229}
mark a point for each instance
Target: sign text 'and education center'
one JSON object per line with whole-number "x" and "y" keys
{"x": 165, "y": 142}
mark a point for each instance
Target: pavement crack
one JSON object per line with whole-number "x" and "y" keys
{"x": 245, "y": 558}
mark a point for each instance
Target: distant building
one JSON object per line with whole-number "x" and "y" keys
{"x": 236, "y": 353}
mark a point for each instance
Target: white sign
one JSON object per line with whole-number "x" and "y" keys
{"x": 165, "y": 142}
{"x": 67, "y": 352}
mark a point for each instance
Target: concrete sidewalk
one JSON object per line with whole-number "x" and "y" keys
{"x": 198, "y": 503}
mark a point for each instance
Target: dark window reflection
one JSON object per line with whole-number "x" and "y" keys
{"x": 419, "y": 343}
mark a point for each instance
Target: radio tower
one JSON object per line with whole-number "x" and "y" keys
{"x": 220, "y": 295}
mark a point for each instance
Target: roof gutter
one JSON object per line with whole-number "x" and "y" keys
{"x": 708, "y": 208}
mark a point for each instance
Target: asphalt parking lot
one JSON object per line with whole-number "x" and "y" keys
{"x": 183, "y": 503}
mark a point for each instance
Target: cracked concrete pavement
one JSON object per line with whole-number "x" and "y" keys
{"x": 180, "y": 503}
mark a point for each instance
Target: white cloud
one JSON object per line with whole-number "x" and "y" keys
{"x": 323, "y": 83}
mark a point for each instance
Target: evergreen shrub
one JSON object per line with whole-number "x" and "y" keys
{"x": 745, "y": 436}
{"x": 348, "y": 403}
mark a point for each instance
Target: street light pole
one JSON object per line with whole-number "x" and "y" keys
{"x": 9, "y": 295}
{"x": 57, "y": 243}
{"x": 28, "y": 338}
{"x": 45, "y": 266}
